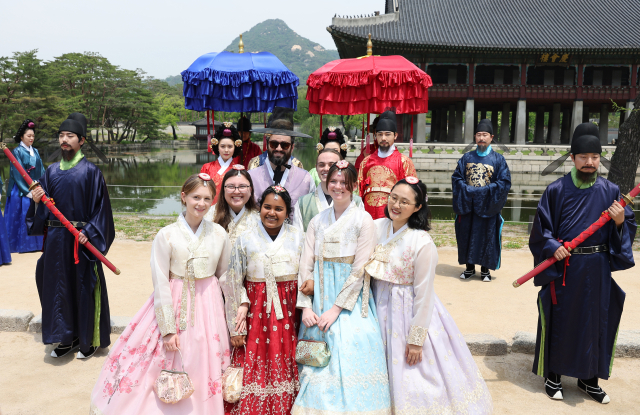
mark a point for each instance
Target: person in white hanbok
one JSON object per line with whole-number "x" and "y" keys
{"x": 185, "y": 312}
{"x": 338, "y": 243}
{"x": 431, "y": 370}
{"x": 261, "y": 309}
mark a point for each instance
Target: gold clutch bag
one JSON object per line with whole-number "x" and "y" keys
{"x": 314, "y": 353}
{"x": 232, "y": 382}
{"x": 172, "y": 386}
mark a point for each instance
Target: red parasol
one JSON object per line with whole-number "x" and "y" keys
{"x": 369, "y": 84}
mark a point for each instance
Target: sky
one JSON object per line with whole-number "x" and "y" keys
{"x": 161, "y": 37}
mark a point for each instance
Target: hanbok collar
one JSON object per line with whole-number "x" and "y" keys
{"x": 385, "y": 154}
{"x": 321, "y": 199}
{"x": 66, "y": 165}
{"x": 224, "y": 165}
{"x": 344, "y": 214}
{"x": 29, "y": 148}
{"x": 194, "y": 236}
{"x": 266, "y": 236}
{"x": 484, "y": 153}
{"x": 390, "y": 235}
{"x": 238, "y": 216}
{"x": 271, "y": 173}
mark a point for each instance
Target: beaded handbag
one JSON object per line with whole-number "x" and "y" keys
{"x": 172, "y": 386}
{"x": 314, "y": 353}
{"x": 232, "y": 381}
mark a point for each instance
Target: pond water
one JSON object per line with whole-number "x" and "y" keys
{"x": 149, "y": 183}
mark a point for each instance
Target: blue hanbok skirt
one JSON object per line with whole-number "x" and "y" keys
{"x": 5, "y": 249}
{"x": 356, "y": 380}
{"x": 15, "y": 213}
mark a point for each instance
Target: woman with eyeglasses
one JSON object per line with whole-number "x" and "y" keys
{"x": 430, "y": 367}
{"x": 339, "y": 242}
{"x": 261, "y": 308}
{"x": 227, "y": 145}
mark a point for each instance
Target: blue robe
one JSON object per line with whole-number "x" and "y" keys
{"x": 70, "y": 293}
{"x": 576, "y": 337}
{"x": 18, "y": 203}
{"x": 480, "y": 188}
{"x": 5, "y": 249}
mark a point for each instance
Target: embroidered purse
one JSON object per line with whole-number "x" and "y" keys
{"x": 172, "y": 386}
{"x": 314, "y": 353}
{"x": 232, "y": 381}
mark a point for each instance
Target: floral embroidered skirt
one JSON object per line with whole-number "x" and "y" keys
{"x": 270, "y": 379}
{"x": 355, "y": 382}
{"x": 447, "y": 381}
{"x": 125, "y": 384}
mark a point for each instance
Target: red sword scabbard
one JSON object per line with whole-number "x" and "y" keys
{"x": 33, "y": 184}
{"x": 604, "y": 218}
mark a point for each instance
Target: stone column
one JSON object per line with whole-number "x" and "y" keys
{"x": 512, "y": 134}
{"x": 604, "y": 124}
{"x": 433, "y": 135}
{"x": 451, "y": 136}
{"x": 538, "y": 134}
{"x": 516, "y": 204}
{"x": 420, "y": 128}
{"x": 458, "y": 130}
{"x": 504, "y": 128}
{"x": 494, "y": 121}
{"x": 443, "y": 125}
{"x": 521, "y": 122}
{"x": 565, "y": 136}
{"x": 576, "y": 116}
{"x": 470, "y": 117}
{"x": 554, "y": 124}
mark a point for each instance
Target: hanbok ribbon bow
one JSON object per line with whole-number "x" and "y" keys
{"x": 196, "y": 268}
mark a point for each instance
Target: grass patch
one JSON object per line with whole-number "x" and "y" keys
{"x": 140, "y": 228}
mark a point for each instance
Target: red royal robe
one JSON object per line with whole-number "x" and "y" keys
{"x": 377, "y": 176}
{"x": 249, "y": 151}
{"x": 212, "y": 170}
{"x": 372, "y": 148}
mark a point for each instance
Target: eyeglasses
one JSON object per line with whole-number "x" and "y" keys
{"x": 273, "y": 145}
{"x": 393, "y": 199}
{"x": 231, "y": 188}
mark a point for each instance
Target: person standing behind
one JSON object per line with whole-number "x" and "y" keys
{"x": 579, "y": 303}
{"x": 431, "y": 369}
{"x": 227, "y": 145}
{"x": 332, "y": 138}
{"x": 18, "y": 193}
{"x": 480, "y": 184}
{"x": 70, "y": 280}
{"x": 5, "y": 249}
{"x": 261, "y": 294}
{"x": 382, "y": 169}
{"x": 249, "y": 148}
{"x": 372, "y": 147}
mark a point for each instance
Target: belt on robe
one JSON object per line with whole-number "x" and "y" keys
{"x": 587, "y": 250}
{"x": 272, "y": 289}
{"x": 377, "y": 189}
{"x": 58, "y": 224}
{"x": 189, "y": 280}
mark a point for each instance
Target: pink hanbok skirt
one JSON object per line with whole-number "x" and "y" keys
{"x": 125, "y": 384}
{"x": 447, "y": 381}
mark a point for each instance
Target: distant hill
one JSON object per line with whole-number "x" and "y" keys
{"x": 174, "y": 80}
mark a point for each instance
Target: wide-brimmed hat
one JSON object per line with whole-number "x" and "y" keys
{"x": 280, "y": 123}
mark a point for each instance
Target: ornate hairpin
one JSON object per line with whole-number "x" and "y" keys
{"x": 227, "y": 124}
{"x": 343, "y": 146}
{"x": 412, "y": 180}
{"x": 319, "y": 147}
{"x": 214, "y": 141}
{"x": 238, "y": 143}
{"x": 238, "y": 167}
{"x": 278, "y": 189}
{"x": 205, "y": 177}
{"x": 342, "y": 164}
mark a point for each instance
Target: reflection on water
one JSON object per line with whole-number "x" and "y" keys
{"x": 149, "y": 182}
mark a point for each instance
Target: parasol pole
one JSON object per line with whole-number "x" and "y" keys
{"x": 411, "y": 139}
{"x": 264, "y": 136}
{"x": 367, "y": 144}
{"x": 320, "y": 125}
{"x": 362, "y": 141}
{"x": 208, "y": 134}
{"x": 604, "y": 218}
{"x": 48, "y": 203}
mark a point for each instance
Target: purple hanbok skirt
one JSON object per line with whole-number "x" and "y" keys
{"x": 447, "y": 381}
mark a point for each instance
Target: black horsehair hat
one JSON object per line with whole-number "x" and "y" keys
{"x": 387, "y": 121}
{"x": 281, "y": 123}
{"x": 75, "y": 123}
{"x": 244, "y": 124}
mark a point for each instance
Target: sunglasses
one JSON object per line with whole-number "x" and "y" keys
{"x": 273, "y": 145}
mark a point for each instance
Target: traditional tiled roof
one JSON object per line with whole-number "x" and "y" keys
{"x": 524, "y": 25}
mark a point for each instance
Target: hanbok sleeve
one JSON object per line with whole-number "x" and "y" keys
{"x": 17, "y": 178}
{"x": 543, "y": 241}
{"x": 223, "y": 261}
{"x": 307, "y": 262}
{"x": 424, "y": 265}
{"x": 621, "y": 241}
{"x": 353, "y": 285}
{"x": 408, "y": 168}
{"x": 162, "y": 300}
{"x": 297, "y": 217}
{"x": 232, "y": 282}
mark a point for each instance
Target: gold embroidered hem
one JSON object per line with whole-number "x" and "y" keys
{"x": 341, "y": 260}
{"x": 300, "y": 410}
{"x": 348, "y": 298}
{"x": 166, "y": 318}
{"x": 417, "y": 335}
{"x": 277, "y": 388}
{"x": 187, "y": 281}
{"x": 282, "y": 278}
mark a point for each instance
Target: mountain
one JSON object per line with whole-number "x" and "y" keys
{"x": 173, "y": 80}
{"x": 299, "y": 54}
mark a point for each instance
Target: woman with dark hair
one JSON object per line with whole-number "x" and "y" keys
{"x": 333, "y": 139}
{"x": 5, "y": 249}
{"x": 227, "y": 145}
{"x": 260, "y": 306}
{"x": 339, "y": 242}
{"x": 18, "y": 193}
{"x": 430, "y": 367}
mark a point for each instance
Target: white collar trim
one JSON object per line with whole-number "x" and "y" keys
{"x": 271, "y": 173}
{"x": 30, "y": 148}
{"x": 385, "y": 154}
{"x": 194, "y": 236}
{"x": 223, "y": 165}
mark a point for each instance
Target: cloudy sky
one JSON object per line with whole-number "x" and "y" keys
{"x": 159, "y": 36}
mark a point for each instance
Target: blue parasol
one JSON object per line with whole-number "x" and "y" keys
{"x": 239, "y": 82}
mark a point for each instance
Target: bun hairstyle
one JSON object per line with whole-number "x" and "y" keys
{"x": 226, "y": 131}
{"x": 222, "y": 216}
{"x": 349, "y": 172}
{"x": 280, "y": 192}
{"x": 422, "y": 218}
{"x": 193, "y": 182}
{"x": 333, "y": 135}
{"x": 26, "y": 125}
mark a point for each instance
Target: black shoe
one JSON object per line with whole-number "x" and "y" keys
{"x": 554, "y": 389}
{"x": 85, "y": 355}
{"x": 65, "y": 349}
{"x": 467, "y": 274}
{"x": 595, "y": 392}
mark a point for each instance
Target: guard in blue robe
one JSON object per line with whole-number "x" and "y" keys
{"x": 5, "y": 249}
{"x": 579, "y": 303}
{"x": 75, "y": 306}
{"x": 18, "y": 195}
{"x": 480, "y": 185}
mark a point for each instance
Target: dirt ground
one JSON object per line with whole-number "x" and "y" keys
{"x": 33, "y": 383}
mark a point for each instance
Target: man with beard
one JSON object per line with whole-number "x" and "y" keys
{"x": 255, "y": 157}
{"x": 70, "y": 281}
{"x": 480, "y": 186}
{"x": 280, "y": 141}
{"x": 249, "y": 148}
{"x": 381, "y": 170}
{"x": 579, "y": 304}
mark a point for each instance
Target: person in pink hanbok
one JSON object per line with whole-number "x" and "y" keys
{"x": 431, "y": 370}
{"x": 185, "y": 312}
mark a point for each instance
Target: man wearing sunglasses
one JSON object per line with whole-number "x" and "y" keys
{"x": 278, "y": 169}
